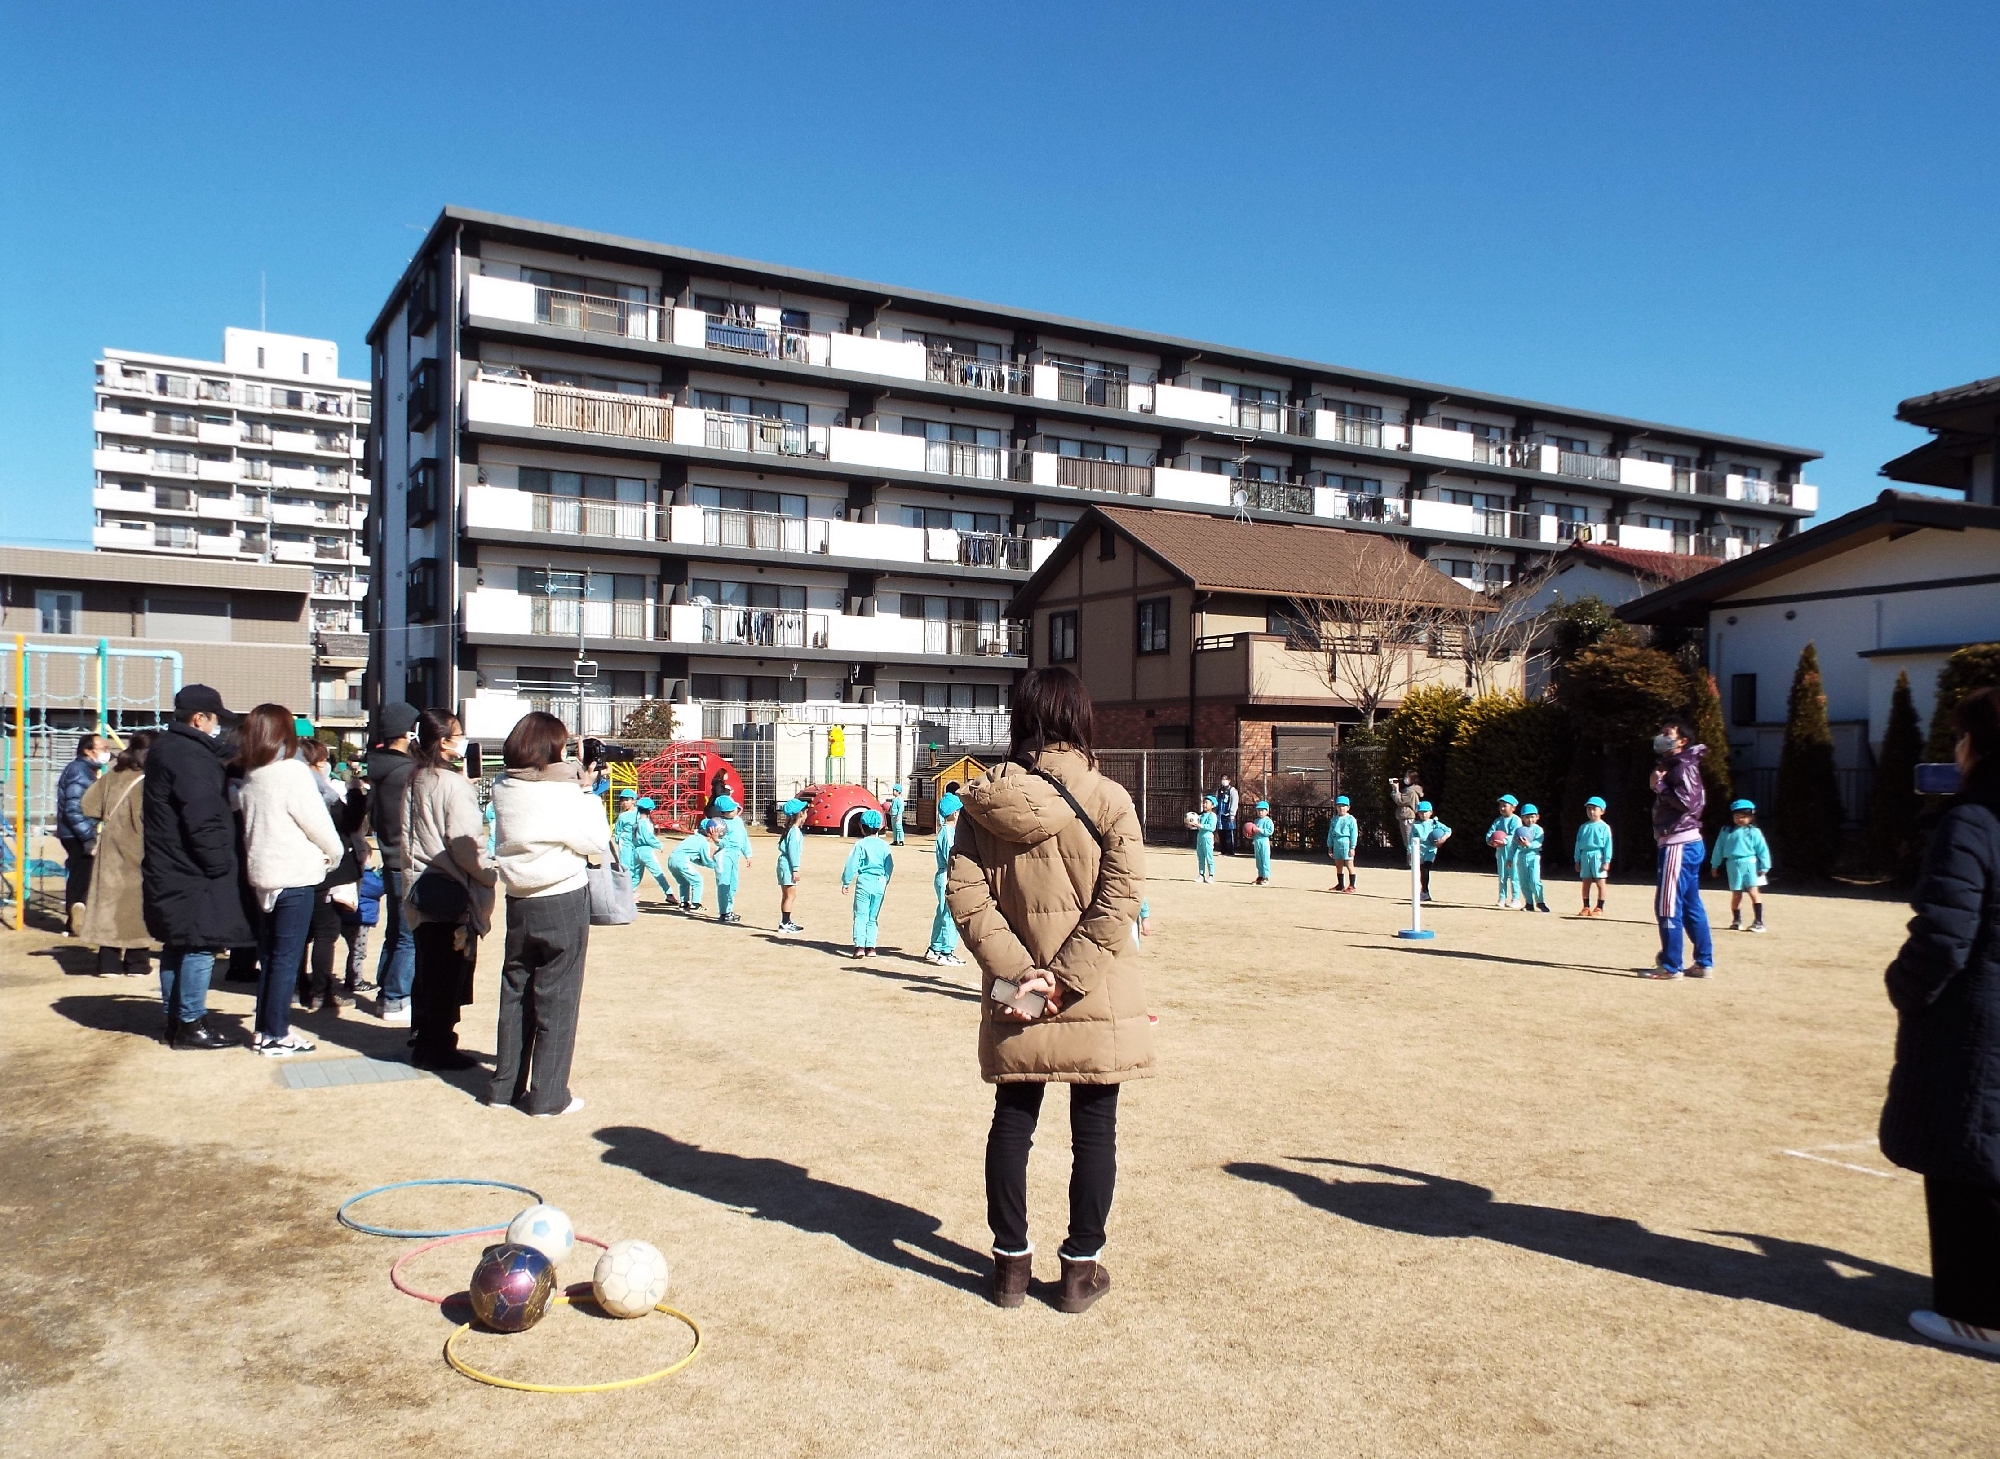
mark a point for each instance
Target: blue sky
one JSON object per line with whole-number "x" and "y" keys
{"x": 1773, "y": 220}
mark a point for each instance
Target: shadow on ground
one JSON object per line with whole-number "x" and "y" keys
{"x": 913, "y": 982}
{"x": 771, "y": 1190}
{"x": 1463, "y": 955}
{"x": 1868, "y": 1297}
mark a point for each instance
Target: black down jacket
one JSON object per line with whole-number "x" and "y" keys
{"x": 1942, "y": 1117}
{"x": 193, "y": 891}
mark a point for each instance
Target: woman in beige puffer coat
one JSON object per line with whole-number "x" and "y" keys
{"x": 1046, "y": 879}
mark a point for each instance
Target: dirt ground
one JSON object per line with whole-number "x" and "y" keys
{"x": 1488, "y": 1195}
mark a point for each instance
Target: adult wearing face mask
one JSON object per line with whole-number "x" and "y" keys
{"x": 448, "y": 897}
{"x": 389, "y": 769}
{"x": 1678, "y": 798}
{"x": 76, "y": 831}
{"x": 191, "y": 881}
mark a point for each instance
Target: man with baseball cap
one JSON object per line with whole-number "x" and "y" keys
{"x": 191, "y": 883}
{"x": 389, "y": 770}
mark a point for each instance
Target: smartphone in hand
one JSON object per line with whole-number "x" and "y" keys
{"x": 1008, "y": 994}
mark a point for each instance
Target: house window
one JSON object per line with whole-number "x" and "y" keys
{"x": 1107, "y": 544}
{"x": 58, "y": 610}
{"x": 1572, "y": 444}
{"x": 1478, "y": 430}
{"x": 1742, "y": 699}
{"x": 1354, "y": 485}
{"x": 1153, "y": 620}
{"x": 1062, "y": 637}
{"x": 1088, "y": 450}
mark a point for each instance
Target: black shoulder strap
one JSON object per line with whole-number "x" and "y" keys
{"x": 1063, "y": 790}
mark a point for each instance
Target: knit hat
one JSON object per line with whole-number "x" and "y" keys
{"x": 1596, "y": 800}
{"x": 646, "y": 804}
{"x": 1743, "y": 805}
{"x": 1530, "y": 810}
{"x": 872, "y": 820}
{"x": 1508, "y": 800}
{"x": 793, "y": 806}
{"x": 724, "y": 805}
{"x": 948, "y": 804}
{"x": 1342, "y": 800}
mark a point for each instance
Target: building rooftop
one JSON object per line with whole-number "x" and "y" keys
{"x": 84, "y": 565}
{"x": 1660, "y": 567}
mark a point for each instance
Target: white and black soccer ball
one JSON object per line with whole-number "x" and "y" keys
{"x": 545, "y": 1228}
{"x": 630, "y": 1279}
{"x": 1191, "y": 821}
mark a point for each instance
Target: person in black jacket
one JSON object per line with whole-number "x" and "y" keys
{"x": 1942, "y": 1117}
{"x": 389, "y": 769}
{"x": 191, "y": 879}
{"x": 76, "y": 831}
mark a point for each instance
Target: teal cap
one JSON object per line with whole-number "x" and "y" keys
{"x": 1342, "y": 800}
{"x": 1743, "y": 805}
{"x": 628, "y": 795}
{"x": 948, "y": 804}
{"x": 724, "y": 805}
{"x": 1508, "y": 800}
{"x": 1263, "y": 805}
{"x": 1423, "y": 805}
{"x": 1596, "y": 800}
{"x": 1530, "y": 810}
{"x": 793, "y": 806}
{"x": 647, "y": 804}
{"x": 872, "y": 820}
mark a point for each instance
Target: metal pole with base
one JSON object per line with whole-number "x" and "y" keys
{"x": 1416, "y": 931}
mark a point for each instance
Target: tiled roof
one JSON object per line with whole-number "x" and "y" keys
{"x": 1659, "y": 567}
{"x": 1218, "y": 554}
{"x": 1975, "y": 392}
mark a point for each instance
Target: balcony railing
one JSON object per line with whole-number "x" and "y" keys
{"x": 602, "y": 413}
{"x": 592, "y": 714}
{"x": 1271, "y": 416}
{"x": 1350, "y": 430}
{"x": 1523, "y": 454}
{"x": 966, "y": 637}
{"x": 569, "y": 516}
{"x": 1361, "y": 506}
{"x": 1278, "y": 496}
{"x": 967, "y": 726}
{"x": 764, "y": 627}
{"x": 565, "y": 617}
{"x": 773, "y": 342}
{"x": 338, "y": 706}
{"x": 948, "y": 367}
{"x": 762, "y": 531}
{"x": 963, "y": 458}
{"x": 1079, "y": 388}
{"x": 761, "y": 434}
{"x": 995, "y": 549}
{"x": 1590, "y": 468}
{"x": 1114, "y": 476}
{"x": 174, "y": 425}
{"x": 597, "y": 314}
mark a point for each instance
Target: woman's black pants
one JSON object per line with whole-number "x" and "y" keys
{"x": 1093, "y": 1136}
{"x": 1965, "y": 1250}
{"x": 443, "y": 985}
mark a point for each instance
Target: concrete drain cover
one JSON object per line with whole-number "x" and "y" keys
{"x": 334, "y": 1073}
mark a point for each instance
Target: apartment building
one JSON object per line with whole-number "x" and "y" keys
{"x": 257, "y": 458}
{"x": 609, "y": 470}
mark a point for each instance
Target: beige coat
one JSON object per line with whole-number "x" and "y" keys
{"x": 1030, "y": 889}
{"x": 115, "y": 915}
{"x": 443, "y": 831}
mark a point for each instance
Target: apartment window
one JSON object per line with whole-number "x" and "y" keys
{"x": 588, "y": 485}
{"x": 991, "y": 698}
{"x": 743, "y": 499}
{"x": 58, "y": 610}
{"x": 423, "y": 394}
{"x": 750, "y": 405}
{"x": 1088, "y": 450}
{"x": 305, "y": 364}
{"x": 175, "y": 536}
{"x": 1455, "y": 567}
{"x": 251, "y": 394}
{"x": 1354, "y": 485}
{"x": 420, "y": 596}
{"x": 1479, "y": 430}
{"x": 178, "y": 386}
{"x": 748, "y": 688}
{"x": 937, "y": 430}
{"x": 1352, "y": 410}
{"x": 1154, "y": 614}
{"x": 1668, "y": 458}
{"x": 941, "y": 519}
{"x": 1748, "y": 473}
{"x": 727, "y": 594}
{"x": 181, "y": 463}
{"x": 1242, "y": 470}
{"x": 1573, "y": 444}
{"x": 1062, "y": 637}
{"x": 952, "y": 344}
{"x": 954, "y": 610}
{"x": 1679, "y": 526}
{"x": 1482, "y": 501}
{"x": 1742, "y": 699}
{"x": 1254, "y": 394}
{"x": 260, "y": 357}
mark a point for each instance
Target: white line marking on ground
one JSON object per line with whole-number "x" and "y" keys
{"x": 1844, "y": 1165}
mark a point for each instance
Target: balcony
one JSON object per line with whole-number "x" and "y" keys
{"x": 997, "y": 549}
{"x": 584, "y": 713}
{"x": 948, "y": 367}
{"x": 569, "y": 516}
{"x": 764, "y": 531}
{"x": 969, "y": 639}
{"x": 337, "y": 708}
{"x": 764, "y": 627}
{"x": 1078, "y": 388}
{"x": 768, "y": 341}
{"x": 569, "y": 617}
{"x": 963, "y": 458}
{"x": 602, "y": 413}
{"x": 520, "y": 302}
{"x": 122, "y": 536}
{"x": 762, "y": 435}
{"x": 1117, "y": 477}
{"x": 1277, "y": 496}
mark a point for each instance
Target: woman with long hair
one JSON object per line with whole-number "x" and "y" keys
{"x": 115, "y": 916}
{"x": 1046, "y": 879}
{"x": 289, "y": 845}
{"x": 449, "y": 898}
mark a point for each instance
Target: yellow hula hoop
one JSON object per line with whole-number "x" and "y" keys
{"x": 466, "y": 1368}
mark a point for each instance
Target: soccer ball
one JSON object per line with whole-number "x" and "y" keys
{"x": 546, "y": 1229}
{"x": 630, "y": 1279}
{"x": 511, "y": 1287}
{"x": 1191, "y": 820}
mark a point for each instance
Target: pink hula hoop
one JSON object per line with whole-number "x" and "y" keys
{"x": 396, "y": 1271}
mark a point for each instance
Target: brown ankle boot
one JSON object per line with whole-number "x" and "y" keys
{"x": 1083, "y": 1282}
{"x": 1010, "y": 1278}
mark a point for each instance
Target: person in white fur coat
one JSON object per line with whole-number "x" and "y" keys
{"x": 289, "y": 845}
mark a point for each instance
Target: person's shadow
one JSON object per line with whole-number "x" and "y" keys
{"x": 1868, "y": 1296}
{"x": 771, "y": 1190}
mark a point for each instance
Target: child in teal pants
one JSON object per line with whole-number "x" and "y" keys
{"x": 869, "y": 867}
{"x": 944, "y": 932}
{"x": 1343, "y": 834}
{"x": 896, "y": 809}
{"x": 1204, "y": 840}
{"x": 1428, "y": 833}
{"x": 687, "y": 860}
{"x": 1744, "y": 858}
{"x": 639, "y": 846}
{"x": 1500, "y": 836}
{"x": 1528, "y": 860}
{"x": 791, "y": 858}
{"x": 1260, "y": 841}
{"x": 729, "y": 860}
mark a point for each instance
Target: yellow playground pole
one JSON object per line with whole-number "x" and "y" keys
{"x": 21, "y": 783}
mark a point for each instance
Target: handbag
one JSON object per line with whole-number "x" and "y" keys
{"x": 613, "y": 902}
{"x": 439, "y": 898}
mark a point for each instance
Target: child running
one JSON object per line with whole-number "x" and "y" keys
{"x": 1743, "y": 857}
{"x": 638, "y": 844}
{"x": 791, "y": 858}
{"x": 1593, "y": 855}
{"x": 1343, "y": 833}
{"x": 729, "y": 861}
{"x": 1204, "y": 840}
{"x": 944, "y": 932}
{"x": 1260, "y": 842}
{"x": 1500, "y": 836}
{"x": 1528, "y": 859}
{"x": 689, "y": 857}
{"x": 869, "y": 867}
{"x": 1429, "y": 833}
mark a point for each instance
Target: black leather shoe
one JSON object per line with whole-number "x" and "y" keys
{"x": 173, "y": 1034}
{"x": 198, "y": 1035}
{"x": 447, "y": 1062}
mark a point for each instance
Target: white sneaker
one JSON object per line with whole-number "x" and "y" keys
{"x": 396, "y": 1012}
{"x": 1953, "y": 1333}
{"x": 575, "y": 1104}
{"x": 933, "y": 956}
{"x": 285, "y": 1047}
{"x": 951, "y": 960}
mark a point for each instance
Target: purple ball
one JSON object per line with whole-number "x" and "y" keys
{"x": 511, "y": 1287}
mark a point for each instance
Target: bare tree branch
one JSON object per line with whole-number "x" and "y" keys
{"x": 1362, "y": 640}
{"x": 1509, "y": 631}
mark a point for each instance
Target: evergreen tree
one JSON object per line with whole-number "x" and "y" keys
{"x": 1705, "y": 707}
{"x": 1807, "y": 823}
{"x": 1892, "y": 810}
{"x": 1503, "y": 745}
{"x": 1616, "y": 696}
{"x": 1973, "y": 667}
{"x": 1420, "y": 732}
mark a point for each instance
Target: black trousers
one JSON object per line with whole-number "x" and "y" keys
{"x": 1424, "y": 877}
{"x": 1965, "y": 1250}
{"x": 1226, "y": 835}
{"x": 327, "y": 930}
{"x": 136, "y": 961}
{"x": 1093, "y": 1171}
{"x": 443, "y": 985}
{"x": 79, "y": 858}
{"x": 541, "y": 988}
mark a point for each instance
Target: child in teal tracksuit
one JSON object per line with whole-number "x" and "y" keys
{"x": 1204, "y": 840}
{"x": 1260, "y": 841}
{"x": 1593, "y": 854}
{"x": 791, "y": 858}
{"x": 638, "y": 844}
{"x": 1429, "y": 833}
{"x": 1343, "y": 834}
{"x": 896, "y": 808}
{"x": 1743, "y": 857}
{"x": 869, "y": 867}
{"x": 1500, "y": 836}
{"x": 944, "y": 932}
{"x": 1528, "y": 860}
{"x": 689, "y": 857}
{"x": 729, "y": 861}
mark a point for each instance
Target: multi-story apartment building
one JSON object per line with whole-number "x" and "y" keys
{"x": 609, "y": 470}
{"x": 257, "y": 458}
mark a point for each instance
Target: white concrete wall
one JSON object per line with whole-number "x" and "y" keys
{"x": 1170, "y": 484}
{"x": 849, "y": 447}
{"x": 499, "y": 507}
{"x": 499, "y": 402}
{"x": 487, "y": 297}
{"x": 1176, "y": 402}
{"x": 900, "y": 359}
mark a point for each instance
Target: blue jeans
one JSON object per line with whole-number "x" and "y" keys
{"x": 281, "y": 945}
{"x": 397, "y": 969}
{"x": 184, "y": 975}
{"x": 1677, "y": 902}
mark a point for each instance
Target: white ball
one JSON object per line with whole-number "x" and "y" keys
{"x": 631, "y": 1279}
{"x": 546, "y": 1229}
{"x": 1191, "y": 820}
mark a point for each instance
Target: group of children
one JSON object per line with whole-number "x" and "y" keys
{"x": 1260, "y": 830}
